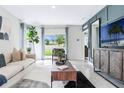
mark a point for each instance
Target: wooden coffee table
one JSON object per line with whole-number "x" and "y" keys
{"x": 69, "y": 74}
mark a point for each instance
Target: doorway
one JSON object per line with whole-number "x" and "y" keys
{"x": 85, "y": 34}
{"x": 95, "y": 36}
{"x": 53, "y": 38}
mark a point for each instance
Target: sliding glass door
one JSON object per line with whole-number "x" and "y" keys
{"x": 53, "y": 38}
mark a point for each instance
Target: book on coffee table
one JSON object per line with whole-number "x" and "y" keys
{"x": 63, "y": 67}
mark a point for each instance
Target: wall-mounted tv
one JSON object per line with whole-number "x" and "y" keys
{"x": 112, "y": 35}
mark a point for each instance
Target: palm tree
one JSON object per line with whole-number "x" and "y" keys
{"x": 60, "y": 40}
{"x": 47, "y": 42}
{"x": 116, "y": 29}
{"x": 110, "y": 32}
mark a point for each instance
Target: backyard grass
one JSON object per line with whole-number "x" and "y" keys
{"x": 48, "y": 52}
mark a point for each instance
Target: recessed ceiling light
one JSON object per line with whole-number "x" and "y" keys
{"x": 53, "y": 6}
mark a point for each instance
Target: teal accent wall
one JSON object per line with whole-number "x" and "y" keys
{"x": 107, "y": 15}
{"x": 103, "y": 16}
{"x": 93, "y": 19}
{"x": 115, "y": 12}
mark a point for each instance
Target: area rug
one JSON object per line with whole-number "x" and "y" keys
{"x": 82, "y": 82}
{"x": 26, "y": 83}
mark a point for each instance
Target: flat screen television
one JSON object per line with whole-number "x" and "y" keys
{"x": 112, "y": 35}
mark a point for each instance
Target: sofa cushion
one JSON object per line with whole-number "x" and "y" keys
{"x": 10, "y": 70}
{"x": 2, "y": 61}
{"x": 25, "y": 63}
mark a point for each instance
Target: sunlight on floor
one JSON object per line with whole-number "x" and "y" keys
{"x": 44, "y": 62}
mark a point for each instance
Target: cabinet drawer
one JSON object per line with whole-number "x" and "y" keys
{"x": 71, "y": 76}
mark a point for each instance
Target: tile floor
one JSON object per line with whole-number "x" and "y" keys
{"x": 42, "y": 72}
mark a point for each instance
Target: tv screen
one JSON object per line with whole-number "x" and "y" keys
{"x": 112, "y": 35}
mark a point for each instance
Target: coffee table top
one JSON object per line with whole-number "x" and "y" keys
{"x": 56, "y": 69}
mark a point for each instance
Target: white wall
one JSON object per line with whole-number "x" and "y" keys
{"x": 54, "y": 31}
{"x": 12, "y": 27}
{"x": 75, "y": 43}
{"x": 38, "y": 47}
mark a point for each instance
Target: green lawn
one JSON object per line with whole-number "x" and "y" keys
{"x": 48, "y": 52}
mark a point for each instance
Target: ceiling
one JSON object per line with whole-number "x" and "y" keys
{"x": 53, "y": 15}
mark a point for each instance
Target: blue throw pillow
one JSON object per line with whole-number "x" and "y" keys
{"x": 2, "y": 80}
{"x": 2, "y": 61}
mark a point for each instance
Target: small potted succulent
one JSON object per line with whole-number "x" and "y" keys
{"x": 29, "y": 50}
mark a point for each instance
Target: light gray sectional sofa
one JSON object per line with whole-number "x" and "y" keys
{"x": 13, "y": 71}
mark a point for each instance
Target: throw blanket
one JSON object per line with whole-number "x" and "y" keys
{"x": 2, "y": 80}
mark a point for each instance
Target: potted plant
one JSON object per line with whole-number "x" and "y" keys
{"x": 32, "y": 36}
{"x": 29, "y": 50}
{"x": 60, "y": 53}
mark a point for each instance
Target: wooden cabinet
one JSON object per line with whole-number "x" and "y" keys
{"x": 96, "y": 59}
{"x": 110, "y": 61}
{"x": 105, "y": 61}
{"x": 116, "y": 64}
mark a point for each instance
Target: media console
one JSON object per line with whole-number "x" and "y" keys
{"x": 109, "y": 63}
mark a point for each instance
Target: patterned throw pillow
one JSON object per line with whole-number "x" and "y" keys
{"x": 16, "y": 55}
{"x": 23, "y": 56}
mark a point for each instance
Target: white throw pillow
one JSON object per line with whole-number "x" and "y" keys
{"x": 8, "y": 57}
